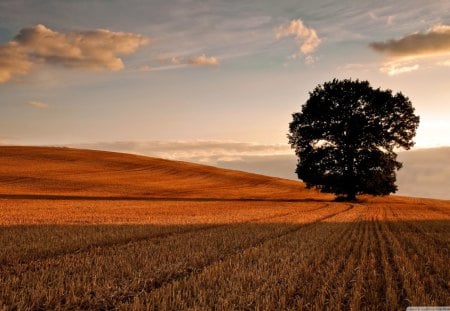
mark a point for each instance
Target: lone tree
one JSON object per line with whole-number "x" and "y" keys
{"x": 345, "y": 137}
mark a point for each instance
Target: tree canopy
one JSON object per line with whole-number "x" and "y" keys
{"x": 345, "y": 137}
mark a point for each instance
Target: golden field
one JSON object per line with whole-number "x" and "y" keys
{"x": 100, "y": 230}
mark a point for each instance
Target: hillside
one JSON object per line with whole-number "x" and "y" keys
{"x": 40, "y": 171}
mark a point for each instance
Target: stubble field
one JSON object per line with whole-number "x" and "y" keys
{"x": 95, "y": 230}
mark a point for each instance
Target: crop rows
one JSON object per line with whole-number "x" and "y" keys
{"x": 299, "y": 255}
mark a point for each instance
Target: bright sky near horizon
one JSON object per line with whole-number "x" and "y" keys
{"x": 76, "y": 72}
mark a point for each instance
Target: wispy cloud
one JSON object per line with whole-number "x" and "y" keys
{"x": 305, "y": 37}
{"x": 406, "y": 54}
{"x": 204, "y": 60}
{"x": 209, "y": 152}
{"x": 200, "y": 60}
{"x": 387, "y": 20}
{"x": 394, "y": 69}
{"x": 143, "y": 68}
{"x": 96, "y": 49}
{"x": 444, "y": 63}
{"x": 38, "y": 104}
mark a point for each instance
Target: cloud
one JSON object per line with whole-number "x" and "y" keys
{"x": 407, "y": 53}
{"x": 14, "y": 61}
{"x": 176, "y": 61}
{"x": 393, "y": 69}
{"x": 306, "y": 38}
{"x": 388, "y": 20}
{"x": 204, "y": 60}
{"x": 143, "y": 68}
{"x": 434, "y": 41}
{"x": 201, "y": 60}
{"x": 37, "y": 104}
{"x": 197, "y": 151}
{"x": 96, "y": 49}
{"x": 444, "y": 63}
{"x": 282, "y": 165}
{"x": 310, "y": 59}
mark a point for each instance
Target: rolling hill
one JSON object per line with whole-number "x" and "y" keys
{"x": 46, "y": 171}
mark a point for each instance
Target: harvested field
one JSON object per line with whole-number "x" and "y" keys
{"x": 99, "y": 234}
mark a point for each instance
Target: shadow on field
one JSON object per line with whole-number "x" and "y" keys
{"x": 378, "y": 258}
{"x": 23, "y": 243}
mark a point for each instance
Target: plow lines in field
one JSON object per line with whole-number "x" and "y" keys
{"x": 291, "y": 256}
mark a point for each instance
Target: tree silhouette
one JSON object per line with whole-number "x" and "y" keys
{"x": 345, "y": 137}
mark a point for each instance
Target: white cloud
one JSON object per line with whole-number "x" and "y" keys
{"x": 204, "y": 60}
{"x": 201, "y": 60}
{"x": 305, "y": 37}
{"x": 394, "y": 69}
{"x": 387, "y": 20}
{"x": 96, "y": 49}
{"x": 309, "y": 59}
{"x": 444, "y": 63}
{"x": 206, "y": 151}
{"x": 38, "y": 104}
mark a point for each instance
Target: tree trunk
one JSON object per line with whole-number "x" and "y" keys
{"x": 351, "y": 196}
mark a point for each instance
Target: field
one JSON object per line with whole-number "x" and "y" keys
{"x": 96, "y": 230}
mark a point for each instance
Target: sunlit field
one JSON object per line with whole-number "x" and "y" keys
{"x": 95, "y": 230}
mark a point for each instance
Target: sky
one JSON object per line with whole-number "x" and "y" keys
{"x": 196, "y": 74}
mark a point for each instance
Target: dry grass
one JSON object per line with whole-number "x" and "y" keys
{"x": 77, "y": 231}
{"x": 57, "y": 172}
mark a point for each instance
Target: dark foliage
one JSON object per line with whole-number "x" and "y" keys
{"x": 345, "y": 137}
